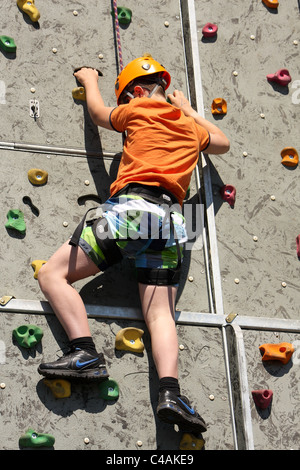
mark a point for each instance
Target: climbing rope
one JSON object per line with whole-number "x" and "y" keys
{"x": 117, "y": 29}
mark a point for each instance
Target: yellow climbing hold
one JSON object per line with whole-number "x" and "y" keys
{"x": 191, "y": 442}
{"x": 37, "y": 177}
{"x": 79, "y": 93}
{"x": 30, "y": 9}
{"x": 59, "y": 387}
{"x": 37, "y": 264}
{"x": 129, "y": 339}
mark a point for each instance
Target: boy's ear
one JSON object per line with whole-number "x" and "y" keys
{"x": 139, "y": 90}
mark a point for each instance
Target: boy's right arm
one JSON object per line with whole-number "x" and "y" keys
{"x": 98, "y": 112}
{"x": 218, "y": 141}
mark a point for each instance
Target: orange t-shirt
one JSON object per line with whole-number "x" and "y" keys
{"x": 161, "y": 148}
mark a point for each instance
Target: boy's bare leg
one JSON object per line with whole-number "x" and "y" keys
{"x": 66, "y": 266}
{"x": 158, "y": 304}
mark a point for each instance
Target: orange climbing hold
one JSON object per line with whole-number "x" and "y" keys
{"x": 289, "y": 156}
{"x": 271, "y": 3}
{"x": 277, "y": 352}
{"x": 219, "y": 106}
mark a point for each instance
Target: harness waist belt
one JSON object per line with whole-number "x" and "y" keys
{"x": 155, "y": 194}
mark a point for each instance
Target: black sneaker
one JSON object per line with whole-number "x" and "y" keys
{"x": 76, "y": 364}
{"x": 175, "y": 409}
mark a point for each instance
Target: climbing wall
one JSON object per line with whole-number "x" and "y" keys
{"x": 257, "y": 234}
{"x": 81, "y": 160}
{"x": 57, "y": 137}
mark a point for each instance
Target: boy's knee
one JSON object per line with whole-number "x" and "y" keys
{"x": 44, "y": 276}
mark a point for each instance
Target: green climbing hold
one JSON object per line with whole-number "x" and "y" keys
{"x": 34, "y": 439}
{"x": 124, "y": 15}
{"x": 7, "y": 44}
{"x": 28, "y": 336}
{"x": 16, "y": 220}
{"x": 109, "y": 390}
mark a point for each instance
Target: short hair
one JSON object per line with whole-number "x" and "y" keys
{"x": 149, "y": 82}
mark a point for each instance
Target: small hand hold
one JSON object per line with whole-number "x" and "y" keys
{"x": 281, "y": 77}
{"x": 35, "y": 210}
{"x": 262, "y": 398}
{"x": 209, "y": 30}
{"x": 87, "y": 67}
{"x": 228, "y": 193}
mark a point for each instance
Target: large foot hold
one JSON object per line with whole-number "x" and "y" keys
{"x": 33, "y": 439}
{"x": 129, "y": 339}
{"x": 191, "y": 442}
{"x": 59, "y": 387}
{"x": 277, "y": 352}
{"x": 28, "y": 336}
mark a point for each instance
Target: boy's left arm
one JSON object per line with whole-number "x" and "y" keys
{"x": 98, "y": 112}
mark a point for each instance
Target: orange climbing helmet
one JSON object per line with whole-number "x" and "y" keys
{"x": 140, "y": 67}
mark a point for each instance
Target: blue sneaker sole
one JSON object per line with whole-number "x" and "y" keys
{"x": 94, "y": 375}
{"x": 172, "y": 414}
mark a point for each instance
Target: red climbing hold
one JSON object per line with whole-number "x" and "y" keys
{"x": 262, "y": 398}
{"x": 209, "y": 30}
{"x": 282, "y": 77}
{"x": 228, "y": 193}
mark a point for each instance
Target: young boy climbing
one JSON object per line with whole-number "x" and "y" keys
{"x": 160, "y": 151}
